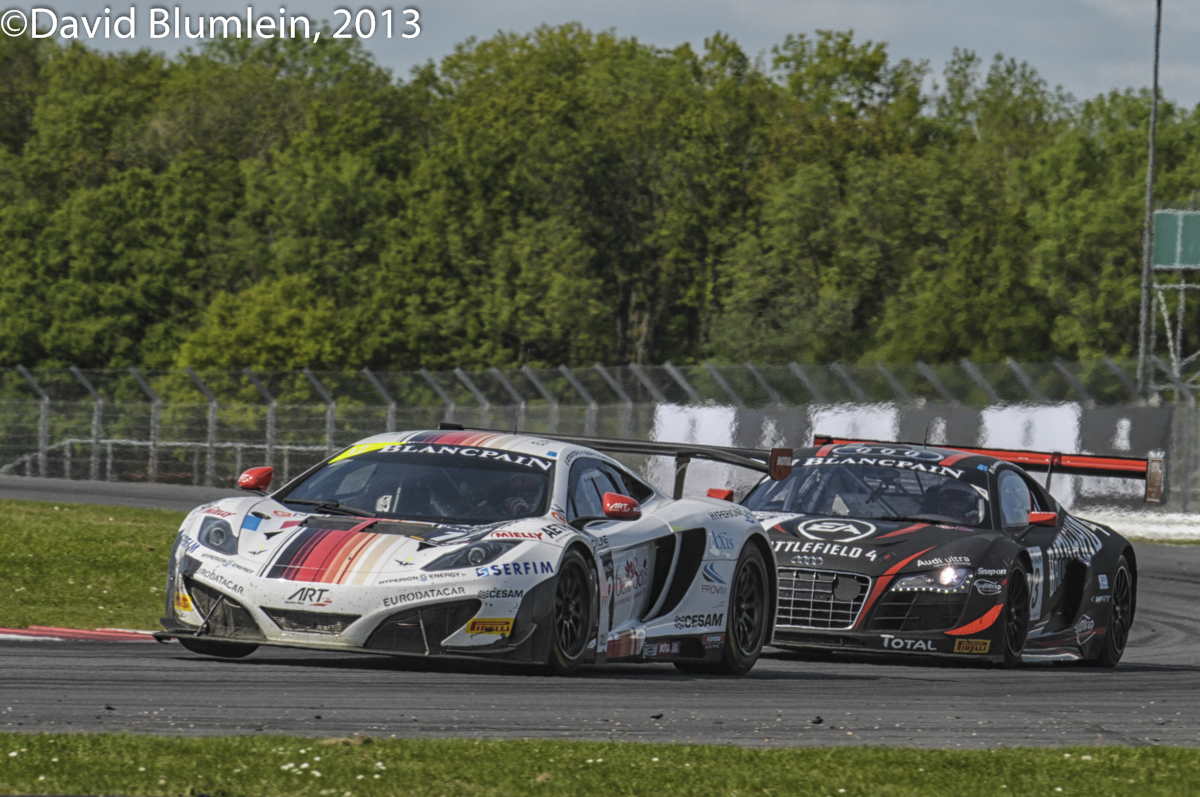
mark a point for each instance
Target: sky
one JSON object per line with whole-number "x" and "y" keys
{"x": 1086, "y": 46}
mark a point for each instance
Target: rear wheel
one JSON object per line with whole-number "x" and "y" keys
{"x": 1016, "y": 617}
{"x": 1121, "y": 619}
{"x": 573, "y": 617}
{"x": 223, "y": 650}
{"x": 747, "y": 622}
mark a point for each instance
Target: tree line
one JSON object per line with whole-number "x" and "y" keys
{"x": 565, "y": 196}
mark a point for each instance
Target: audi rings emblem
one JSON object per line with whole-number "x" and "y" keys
{"x": 889, "y": 451}
{"x": 810, "y": 561}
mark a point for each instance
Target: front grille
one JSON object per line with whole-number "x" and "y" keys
{"x": 911, "y": 610}
{"x": 820, "y": 598}
{"x": 310, "y": 622}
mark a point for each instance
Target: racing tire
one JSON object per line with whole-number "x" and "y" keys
{"x": 747, "y": 620}
{"x": 573, "y": 615}
{"x": 1120, "y": 621}
{"x": 1015, "y": 616}
{"x": 222, "y": 650}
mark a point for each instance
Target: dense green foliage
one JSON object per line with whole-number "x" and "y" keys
{"x": 564, "y": 196}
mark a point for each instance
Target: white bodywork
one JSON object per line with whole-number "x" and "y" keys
{"x": 375, "y": 570}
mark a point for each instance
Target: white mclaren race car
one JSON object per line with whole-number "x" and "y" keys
{"x": 474, "y": 543}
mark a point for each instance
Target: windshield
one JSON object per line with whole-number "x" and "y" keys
{"x": 444, "y": 484}
{"x": 916, "y": 491}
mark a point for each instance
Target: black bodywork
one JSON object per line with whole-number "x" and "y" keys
{"x": 838, "y": 573}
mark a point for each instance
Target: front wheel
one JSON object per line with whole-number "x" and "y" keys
{"x": 1016, "y": 617}
{"x": 222, "y": 650}
{"x": 747, "y": 622}
{"x": 573, "y": 618}
{"x": 1113, "y": 645}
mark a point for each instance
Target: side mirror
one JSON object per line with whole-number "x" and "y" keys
{"x": 621, "y": 507}
{"x": 256, "y": 479}
{"x": 779, "y": 466}
{"x": 1043, "y": 519}
{"x": 720, "y": 494}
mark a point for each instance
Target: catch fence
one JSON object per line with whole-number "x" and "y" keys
{"x": 185, "y": 427}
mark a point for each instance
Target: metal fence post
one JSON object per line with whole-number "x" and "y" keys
{"x": 155, "y": 408}
{"x": 43, "y": 419}
{"x": 589, "y": 419}
{"x": 1027, "y": 382}
{"x": 860, "y": 395}
{"x": 772, "y": 394}
{"x": 385, "y": 395}
{"x": 441, "y": 393}
{"x": 626, "y": 401}
{"x": 271, "y": 405}
{"x": 897, "y": 386}
{"x": 977, "y": 377}
{"x": 546, "y": 394}
{"x": 812, "y": 387}
{"x": 330, "y": 409}
{"x": 647, "y": 383}
{"x": 484, "y": 404}
{"x": 97, "y": 409}
{"x": 1189, "y": 420}
{"x": 932, "y": 378}
{"x": 720, "y": 379}
{"x": 210, "y": 465}
{"x": 513, "y": 393}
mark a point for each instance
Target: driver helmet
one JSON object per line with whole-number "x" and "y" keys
{"x": 959, "y": 502}
{"x": 523, "y": 494}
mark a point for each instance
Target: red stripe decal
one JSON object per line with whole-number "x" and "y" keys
{"x": 883, "y": 583}
{"x": 898, "y": 532}
{"x": 978, "y": 625}
{"x": 823, "y": 451}
{"x": 950, "y": 460}
{"x": 77, "y": 634}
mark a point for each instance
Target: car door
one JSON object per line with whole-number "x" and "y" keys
{"x": 626, "y": 546}
{"x": 1017, "y": 497}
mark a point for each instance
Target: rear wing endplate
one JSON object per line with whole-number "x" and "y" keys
{"x": 1151, "y": 470}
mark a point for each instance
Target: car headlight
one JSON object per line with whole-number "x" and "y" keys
{"x": 217, "y": 534}
{"x": 948, "y": 579}
{"x": 474, "y": 555}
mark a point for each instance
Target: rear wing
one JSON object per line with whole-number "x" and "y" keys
{"x": 1151, "y": 470}
{"x": 777, "y": 462}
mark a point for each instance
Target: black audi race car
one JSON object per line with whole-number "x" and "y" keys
{"x": 915, "y": 549}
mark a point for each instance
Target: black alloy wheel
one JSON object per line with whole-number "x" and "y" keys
{"x": 749, "y": 605}
{"x": 574, "y": 613}
{"x": 222, "y": 650}
{"x": 1016, "y": 617}
{"x": 1120, "y": 621}
{"x": 748, "y": 620}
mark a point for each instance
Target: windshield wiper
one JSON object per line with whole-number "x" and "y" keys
{"x": 331, "y": 505}
{"x": 909, "y": 519}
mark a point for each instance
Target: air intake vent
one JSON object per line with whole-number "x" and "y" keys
{"x": 310, "y": 622}
{"x": 224, "y": 616}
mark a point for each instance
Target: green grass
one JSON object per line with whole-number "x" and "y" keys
{"x": 274, "y": 765}
{"x": 82, "y": 566}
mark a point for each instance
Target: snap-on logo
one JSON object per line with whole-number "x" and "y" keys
{"x": 830, "y": 530}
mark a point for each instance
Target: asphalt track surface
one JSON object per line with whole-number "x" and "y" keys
{"x": 1153, "y": 697}
{"x": 134, "y": 494}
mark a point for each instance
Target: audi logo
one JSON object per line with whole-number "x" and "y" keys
{"x": 810, "y": 561}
